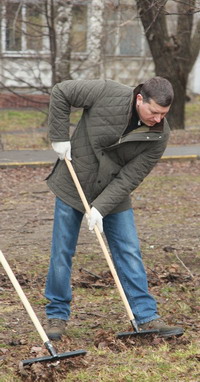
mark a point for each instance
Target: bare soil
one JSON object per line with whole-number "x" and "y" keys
{"x": 167, "y": 210}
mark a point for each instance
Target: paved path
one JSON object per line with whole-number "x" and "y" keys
{"x": 14, "y": 158}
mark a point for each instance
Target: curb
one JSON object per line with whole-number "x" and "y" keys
{"x": 180, "y": 157}
{"x": 25, "y": 164}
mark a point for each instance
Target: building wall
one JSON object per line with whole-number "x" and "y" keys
{"x": 27, "y": 72}
{"x": 128, "y": 71}
{"x": 194, "y": 78}
{"x": 29, "y": 75}
{"x": 13, "y": 101}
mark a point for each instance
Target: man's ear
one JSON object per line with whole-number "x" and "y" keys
{"x": 139, "y": 99}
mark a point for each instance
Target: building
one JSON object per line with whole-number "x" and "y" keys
{"x": 34, "y": 38}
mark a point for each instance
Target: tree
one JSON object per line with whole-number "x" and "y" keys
{"x": 174, "y": 51}
{"x": 95, "y": 37}
{"x": 62, "y": 26}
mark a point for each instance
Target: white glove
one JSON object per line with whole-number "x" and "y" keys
{"x": 95, "y": 218}
{"x": 63, "y": 149}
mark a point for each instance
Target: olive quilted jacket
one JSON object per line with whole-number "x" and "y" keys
{"x": 109, "y": 165}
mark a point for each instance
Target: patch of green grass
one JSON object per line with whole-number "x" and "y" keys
{"x": 19, "y": 129}
{"x": 3, "y": 345}
{"x": 75, "y": 116}
{"x": 192, "y": 112}
{"x": 147, "y": 364}
{"x": 38, "y": 301}
{"x": 9, "y": 377}
{"x": 21, "y": 141}
{"x": 15, "y": 120}
{"x": 79, "y": 331}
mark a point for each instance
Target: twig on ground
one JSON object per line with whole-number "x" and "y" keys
{"x": 190, "y": 273}
{"x": 92, "y": 314}
{"x": 90, "y": 273}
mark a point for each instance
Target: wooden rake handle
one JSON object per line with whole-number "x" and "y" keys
{"x": 23, "y": 298}
{"x": 101, "y": 241}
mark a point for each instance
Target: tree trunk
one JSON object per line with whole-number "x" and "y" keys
{"x": 50, "y": 16}
{"x": 63, "y": 33}
{"x": 172, "y": 53}
{"x": 176, "y": 115}
{"x": 94, "y": 45}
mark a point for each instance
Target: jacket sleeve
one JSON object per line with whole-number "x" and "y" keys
{"x": 76, "y": 93}
{"x": 129, "y": 178}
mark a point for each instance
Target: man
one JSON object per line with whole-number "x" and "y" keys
{"x": 120, "y": 137}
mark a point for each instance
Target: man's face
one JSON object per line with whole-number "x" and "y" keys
{"x": 150, "y": 113}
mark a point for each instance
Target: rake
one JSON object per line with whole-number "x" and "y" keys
{"x": 136, "y": 331}
{"x": 54, "y": 356}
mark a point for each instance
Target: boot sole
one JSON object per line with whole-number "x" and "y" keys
{"x": 54, "y": 337}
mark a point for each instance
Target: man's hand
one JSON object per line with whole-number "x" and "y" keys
{"x": 62, "y": 149}
{"x": 95, "y": 218}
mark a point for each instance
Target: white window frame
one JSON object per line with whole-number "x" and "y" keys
{"x": 116, "y": 52}
{"x": 24, "y": 51}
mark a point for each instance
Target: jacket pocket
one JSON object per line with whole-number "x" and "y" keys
{"x": 107, "y": 171}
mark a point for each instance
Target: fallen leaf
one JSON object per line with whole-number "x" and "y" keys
{"x": 36, "y": 349}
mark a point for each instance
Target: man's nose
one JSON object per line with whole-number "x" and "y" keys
{"x": 158, "y": 118}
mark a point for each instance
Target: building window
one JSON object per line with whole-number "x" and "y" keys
{"x": 35, "y": 27}
{"x": 23, "y": 27}
{"x": 13, "y": 21}
{"x": 123, "y": 33}
{"x": 79, "y": 28}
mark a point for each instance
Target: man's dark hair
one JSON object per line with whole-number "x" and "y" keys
{"x": 159, "y": 89}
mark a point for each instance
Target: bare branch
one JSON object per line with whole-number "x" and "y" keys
{"x": 187, "y": 269}
{"x": 159, "y": 9}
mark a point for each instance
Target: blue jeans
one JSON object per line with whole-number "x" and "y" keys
{"x": 121, "y": 235}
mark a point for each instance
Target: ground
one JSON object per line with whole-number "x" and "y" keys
{"x": 167, "y": 215}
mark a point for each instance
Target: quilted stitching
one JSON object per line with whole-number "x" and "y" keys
{"x": 107, "y": 179}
